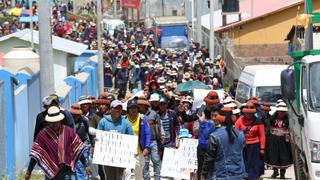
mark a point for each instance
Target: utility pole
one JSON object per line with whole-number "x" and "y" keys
{"x": 309, "y": 31}
{"x": 45, "y": 47}
{"x": 198, "y": 23}
{"x": 162, "y": 6}
{"x": 31, "y": 23}
{"x": 114, "y": 7}
{"x": 147, "y": 21}
{"x": 192, "y": 14}
{"x": 212, "y": 38}
{"x": 100, "y": 57}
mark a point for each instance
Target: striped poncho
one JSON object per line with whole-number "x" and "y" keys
{"x": 52, "y": 151}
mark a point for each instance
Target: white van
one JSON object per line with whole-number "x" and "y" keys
{"x": 113, "y": 24}
{"x": 261, "y": 81}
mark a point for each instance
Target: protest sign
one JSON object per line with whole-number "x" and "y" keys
{"x": 200, "y": 94}
{"x": 179, "y": 163}
{"x": 114, "y": 149}
{"x": 171, "y": 165}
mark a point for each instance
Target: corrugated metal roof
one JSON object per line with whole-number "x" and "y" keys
{"x": 58, "y": 43}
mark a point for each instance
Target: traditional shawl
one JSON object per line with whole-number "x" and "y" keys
{"x": 53, "y": 151}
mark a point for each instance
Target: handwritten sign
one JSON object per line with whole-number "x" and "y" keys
{"x": 114, "y": 149}
{"x": 179, "y": 163}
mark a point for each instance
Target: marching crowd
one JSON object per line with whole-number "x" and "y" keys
{"x": 235, "y": 142}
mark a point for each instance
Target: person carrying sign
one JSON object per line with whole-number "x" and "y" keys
{"x": 115, "y": 123}
{"x": 141, "y": 129}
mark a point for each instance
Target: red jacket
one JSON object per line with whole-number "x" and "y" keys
{"x": 253, "y": 131}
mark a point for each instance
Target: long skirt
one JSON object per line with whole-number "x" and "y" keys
{"x": 253, "y": 161}
{"x": 279, "y": 153}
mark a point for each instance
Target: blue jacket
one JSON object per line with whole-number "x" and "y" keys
{"x": 121, "y": 126}
{"x": 205, "y": 129}
{"x": 224, "y": 160}
{"x": 144, "y": 133}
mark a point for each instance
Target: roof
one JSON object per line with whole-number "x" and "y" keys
{"x": 256, "y": 74}
{"x": 261, "y": 9}
{"x": 58, "y": 43}
{"x": 167, "y": 20}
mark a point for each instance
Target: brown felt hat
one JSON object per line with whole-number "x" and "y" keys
{"x": 76, "y": 109}
{"x": 143, "y": 101}
{"x": 212, "y": 98}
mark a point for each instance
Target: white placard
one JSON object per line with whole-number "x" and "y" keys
{"x": 171, "y": 165}
{"x": 179, "y": 163}
{"x": 114, "y": 149}
{"x": 200, "y": 94}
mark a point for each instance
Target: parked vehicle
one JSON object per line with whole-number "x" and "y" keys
{"x": 300, "y": 89}
{"x": 113, "y": 24}
{"x": 171, "y": 32}
{"x": 261, "y": 81}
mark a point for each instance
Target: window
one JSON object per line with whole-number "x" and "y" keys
{"x": 268, "y": 94}
{"x": 314, "y": 90}
{"x": 243, "y": 92}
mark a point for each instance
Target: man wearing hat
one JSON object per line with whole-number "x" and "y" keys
{"x": 103, "y": 108}
{"x": 85, "y": 104}
{"x": 141, "y": 129}
{"x": 47, "y": 102}
{"x": 57, "y": 149}
{"x": 146, "y": 111}
{"x": 82, "y": 129}
{"x": 115, "y": 122}
{"x": 168, "y": 124}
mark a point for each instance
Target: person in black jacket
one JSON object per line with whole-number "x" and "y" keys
{"x": 47, "y": 102}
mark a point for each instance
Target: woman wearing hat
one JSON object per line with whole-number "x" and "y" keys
{"x": 279, "y": 155}
{"x": 224, "y": 159}
{"x": 57, "y": 149}
{"x": 254, "y": 132}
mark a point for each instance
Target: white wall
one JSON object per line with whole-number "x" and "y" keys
{"x": 60, "y": 67}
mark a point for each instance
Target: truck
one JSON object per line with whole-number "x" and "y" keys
{"x": 171, "y": 32}
{"x": 300, "y": 90}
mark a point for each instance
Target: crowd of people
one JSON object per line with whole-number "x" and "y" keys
{"x": 235, "y": 142}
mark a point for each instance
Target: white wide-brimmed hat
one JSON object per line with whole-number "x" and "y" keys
{"x": 282, "y": 107}
{"x": 54, "y": 114}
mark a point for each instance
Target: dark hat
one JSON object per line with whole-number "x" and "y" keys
{"x": 163, "y": 100}
{"x": 212, "y": 98}
{"x": 266, "y": 107}
{"x": 132, "y": 103}
{"x": 221, "y": 117}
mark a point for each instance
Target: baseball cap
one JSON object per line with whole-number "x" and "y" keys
{"x": 46, "y": 101}
{"x": 116, "y": 103}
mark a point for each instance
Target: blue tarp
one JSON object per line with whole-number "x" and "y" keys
{"x": 27, "y": 19}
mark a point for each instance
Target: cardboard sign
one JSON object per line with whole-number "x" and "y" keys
{"x": 114, "y": 149}
{"x": 181, "y": 162}
{"x": 200, "y": 94}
